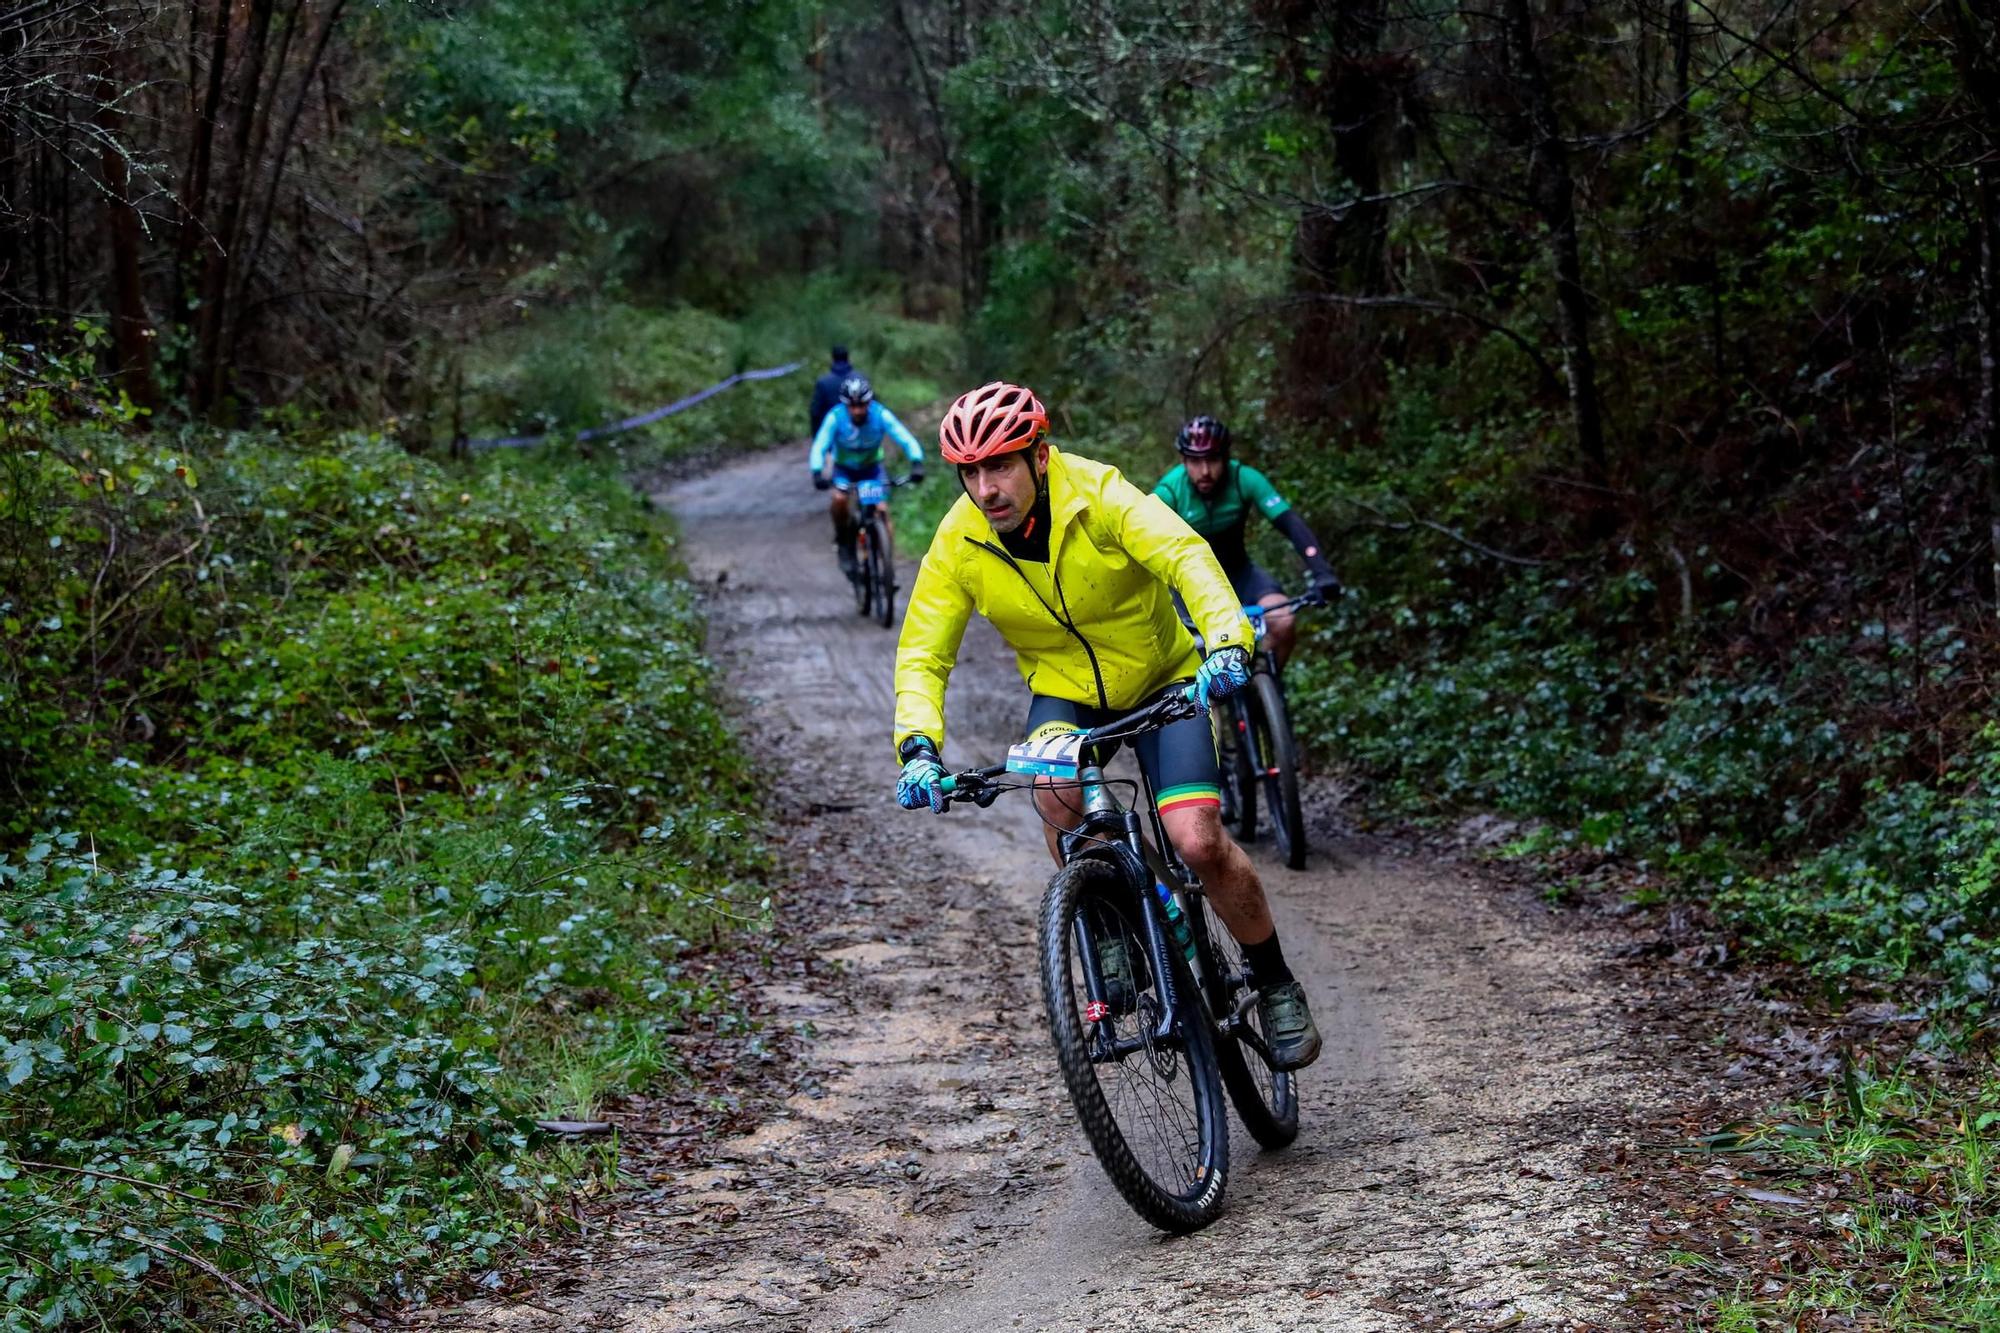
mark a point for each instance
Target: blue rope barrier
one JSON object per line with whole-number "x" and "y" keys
{"x": 632, "y": 423}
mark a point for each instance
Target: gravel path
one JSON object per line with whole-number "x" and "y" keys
{"x": 921, "y": 1169}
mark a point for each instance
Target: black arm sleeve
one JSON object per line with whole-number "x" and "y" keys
{"x": 1299, "y": 535}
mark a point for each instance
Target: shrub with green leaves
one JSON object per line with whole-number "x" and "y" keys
{"x": 188, "y": 1097}
{"x": 359, "y": 807}
{"x": 1792, "y": 778}
{"x": 596, "y": 361}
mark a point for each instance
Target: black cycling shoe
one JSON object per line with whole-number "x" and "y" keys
{"x": 1288, "y": 1026}
{"x": 847, "y": 563}
{"x": 1114, "y": 968}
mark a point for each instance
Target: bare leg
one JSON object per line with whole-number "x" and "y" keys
{"x": 1223, "y": 869}
{"x": 838, "y": 507}
{"x": 1061, "y": 810}
{"x": 1280, "y": 627}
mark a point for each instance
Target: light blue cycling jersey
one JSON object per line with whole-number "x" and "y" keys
{"x": 857, "y": 447}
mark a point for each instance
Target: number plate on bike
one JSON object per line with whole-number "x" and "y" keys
{"x": 1047, "y": 756}
{"x": 873, "y": 492}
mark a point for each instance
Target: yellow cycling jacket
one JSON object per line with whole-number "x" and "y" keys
{"x": 1095, "y": 625}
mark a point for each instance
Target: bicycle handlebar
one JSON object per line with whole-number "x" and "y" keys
{"x": 1175, "y": 705}
{"x": 1303, "y": 600}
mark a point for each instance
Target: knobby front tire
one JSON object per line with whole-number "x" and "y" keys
{"x": 1155, "y": 1117}
{"x": 1266, "y": 1101}
{"x": 1280, "y": 779}
{"x": 864, "y": 585}
{"x": 882, "y": 572}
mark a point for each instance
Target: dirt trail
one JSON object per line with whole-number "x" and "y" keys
{"x": 925, "y": 1173}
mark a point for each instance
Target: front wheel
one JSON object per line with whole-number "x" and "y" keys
{"x": 864, "y": 586}
{"x": 882, "y": 571}
{"x": 1151, "y": 1104}
{"x": 1277, "y": 756}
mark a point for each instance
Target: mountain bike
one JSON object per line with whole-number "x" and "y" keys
{"x": 1148, "y": 1051}
{"x": 874, "y": 576}
{"x": 1256, "y": 748}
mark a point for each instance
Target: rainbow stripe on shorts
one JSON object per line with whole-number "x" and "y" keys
{"x": 1189, "y": 796}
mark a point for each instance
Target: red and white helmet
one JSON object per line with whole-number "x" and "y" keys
{"x": 995, "y": 418}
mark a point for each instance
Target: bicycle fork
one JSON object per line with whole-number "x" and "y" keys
{"x": 1106, "y": 1044}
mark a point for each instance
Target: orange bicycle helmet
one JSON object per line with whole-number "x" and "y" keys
{"x": 995, "y": 418}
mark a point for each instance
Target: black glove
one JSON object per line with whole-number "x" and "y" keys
{"x": 1325, "y": 583}
{"x": 916, "y": 474}
{"x": 822, "y": 483}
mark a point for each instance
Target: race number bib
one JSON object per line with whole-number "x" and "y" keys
{"x": 873, "y": 491}
{"x": 1057, "y": 756}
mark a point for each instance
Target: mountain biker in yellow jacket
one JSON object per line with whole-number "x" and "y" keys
{"x": 1076, "y": 568}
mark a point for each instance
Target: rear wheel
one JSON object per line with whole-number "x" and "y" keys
{"x": 882, "y": 571}
{"x": 1277, "y": 756}
{"x": 1266, "y": 1101}
{"x": 1151, "y": 1105}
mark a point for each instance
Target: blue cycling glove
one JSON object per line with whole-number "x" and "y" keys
{"x": 1225, "y": 671}
{"x": 918, "y": 786}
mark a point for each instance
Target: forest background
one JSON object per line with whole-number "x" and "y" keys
{"x": 362, "y": 801}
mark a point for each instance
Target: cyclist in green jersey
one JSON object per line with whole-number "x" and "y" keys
{"x": 1215, "y": 494}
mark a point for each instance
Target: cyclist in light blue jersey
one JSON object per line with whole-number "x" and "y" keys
{"x": 851, "y": 440}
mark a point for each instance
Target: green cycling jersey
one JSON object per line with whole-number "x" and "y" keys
{"x": 1223, "y": 516}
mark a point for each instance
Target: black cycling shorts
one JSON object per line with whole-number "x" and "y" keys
{"x": 1179, "y": 758}
{"x": 1252, "y": 583}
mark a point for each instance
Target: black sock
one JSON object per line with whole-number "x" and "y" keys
{"x": 1267, "y": 963}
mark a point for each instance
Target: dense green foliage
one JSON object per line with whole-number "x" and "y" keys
{"x": 592, "y": 361}
{"x": 1636, "y": 361}
{"x": 1628, "y": 357}
{"x": 1817, "y": 779}
{"x": 359, "y": 808}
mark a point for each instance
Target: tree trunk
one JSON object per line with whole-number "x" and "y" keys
{"x": 1333, "y": 67}
{"x": 262, "y": 230}
{"x": 1977, "y": 56}
{"x": 1554, "y": 191}
{"x": 210, "y": 343}
{"x": 1986, "y": 427}
{"x": 131, "y": 326}
{"x": 201, "y": 151}
{"x": 972, "y": 228}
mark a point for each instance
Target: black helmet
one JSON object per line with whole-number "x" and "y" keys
{"x": 856, "y": 391}
{"x": 1204, "y": 437}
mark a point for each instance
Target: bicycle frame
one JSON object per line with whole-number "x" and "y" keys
{"x": 1106, "y": 820}
{"x": 1110, "y": 832}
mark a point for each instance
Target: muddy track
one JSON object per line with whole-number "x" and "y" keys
{"x": 924, "y": 1173}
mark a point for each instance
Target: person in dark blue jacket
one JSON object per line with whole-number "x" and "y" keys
{"x": 827, "y": 391}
